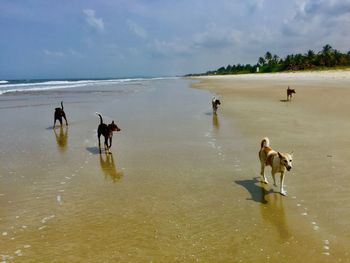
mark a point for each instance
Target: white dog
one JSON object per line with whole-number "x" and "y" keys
{"x": 279, "y": 162}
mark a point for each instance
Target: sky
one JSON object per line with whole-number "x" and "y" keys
{"x": 150, "y": 38}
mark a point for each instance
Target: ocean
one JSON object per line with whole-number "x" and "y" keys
{"x": 32, "y": 85}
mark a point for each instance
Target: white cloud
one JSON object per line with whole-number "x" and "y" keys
{"x": 255, "y": 5}
{"x": 217, "y": 37}
{"x": 56, "y": 54}
{"x": 170, "y": 48}
{"x": 136, "y": 29}
{"x": 75, "y": 53}
{"x": 92, "y": 20}
{"x": 317, "y": 17}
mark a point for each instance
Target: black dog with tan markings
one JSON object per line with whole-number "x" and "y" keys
{"x": 107, "y": 132}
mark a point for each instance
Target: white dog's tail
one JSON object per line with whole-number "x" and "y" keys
{"x": 265, "y": 142}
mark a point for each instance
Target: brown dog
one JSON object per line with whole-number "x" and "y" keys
{"x": 59, "y": 114}
{"x": 107, "y": 132}
{"x": 290, "y": 93}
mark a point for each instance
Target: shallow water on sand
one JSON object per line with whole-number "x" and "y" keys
{"x": 179, "y": 185}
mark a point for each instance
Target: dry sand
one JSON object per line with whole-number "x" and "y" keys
{"x": 315, "y": 125}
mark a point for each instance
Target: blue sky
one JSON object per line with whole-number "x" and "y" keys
{"x": 127, "y": 38}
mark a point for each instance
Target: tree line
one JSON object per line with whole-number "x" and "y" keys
{"x": 328, "y": 57}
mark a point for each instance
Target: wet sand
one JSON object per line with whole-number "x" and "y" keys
{"x": 181, "y": 184}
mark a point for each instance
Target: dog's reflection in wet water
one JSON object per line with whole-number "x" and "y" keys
{"x": 109, "y": 168}
{"x": 216, "y": 123}
{"x": 271, "y": 205}
{"x": 61, "y": 138}
{"x": 273, "y": 212}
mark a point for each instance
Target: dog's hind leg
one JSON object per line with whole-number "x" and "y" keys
{"x": 262, "y": 173}
{"x": 282, "y": 191}
{"x": 64, "y": 116}
{"x": 60, "y": 120}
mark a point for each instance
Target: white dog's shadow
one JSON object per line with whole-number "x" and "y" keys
{"x": 256, "y": 189}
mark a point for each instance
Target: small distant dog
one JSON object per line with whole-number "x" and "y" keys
{"x": 59, "y": 114}
{"x": 290, "y": 93}
{"x": 279, "y": 162}
{"x": 215, "y": 102}
{"x": 107, "y": 132}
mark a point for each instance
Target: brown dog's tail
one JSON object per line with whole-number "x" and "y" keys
{"x": 265, "y": 142}
{"x": 100, "y": 117}
{"x": 62, "y": 105}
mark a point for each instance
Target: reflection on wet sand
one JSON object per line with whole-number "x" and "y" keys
{"x": 62, "y": 138}
{"x": 109, "y": 168}
{"x": 216, "y": 124}
{"x": 273, "y": 212}
{"x": 271, "y": 205}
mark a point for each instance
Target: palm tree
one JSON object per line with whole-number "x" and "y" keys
{"x": 268, "y": 56}
{"x": 310, "y": 58}
{"x": 262, "y": 61}
{"x": 327, "y": 49}
{"x": 275, "y": 59}
{"x": 327, "y": 55}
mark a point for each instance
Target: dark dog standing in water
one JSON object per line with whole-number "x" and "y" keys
{"x": 290, "y": 93}
{"x": 215, "y": 102}
{"x": 59, "y": 114}
{"x": 107, "y": 132}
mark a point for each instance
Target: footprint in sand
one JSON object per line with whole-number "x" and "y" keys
{"x": 326, "y": 247}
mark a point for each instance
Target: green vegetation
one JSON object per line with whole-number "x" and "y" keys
{"x": 325, "y": 59}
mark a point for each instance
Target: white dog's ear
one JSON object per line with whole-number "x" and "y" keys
{"x": 279, "y": 155}
{"x": 291, "y": 153}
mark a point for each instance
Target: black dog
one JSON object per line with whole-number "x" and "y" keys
{"x": 290, "y": 93}
{"x": 107, "y": 132}
{"x": 215, "y": 102}
{"x": 59, "y": 114}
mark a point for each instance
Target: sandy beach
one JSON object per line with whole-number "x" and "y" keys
{"x": 315, "y": 125}
{"x": 181, "y": 184}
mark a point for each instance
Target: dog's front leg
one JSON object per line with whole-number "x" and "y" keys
{"x": 282, "y": 191}
{"x": 110, "y": 142}
{"x": 106, "y": 142}
{"x": 274, "y": 178}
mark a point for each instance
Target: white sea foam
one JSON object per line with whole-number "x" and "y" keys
{"x": 8, "y": 87}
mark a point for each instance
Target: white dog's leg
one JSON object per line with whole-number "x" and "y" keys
{"x": 274, "y": 179}
{"x": 262, "y": 173}
{"x": 282, "y": 191}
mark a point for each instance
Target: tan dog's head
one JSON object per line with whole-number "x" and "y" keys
{"x": 286, "y": 160}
